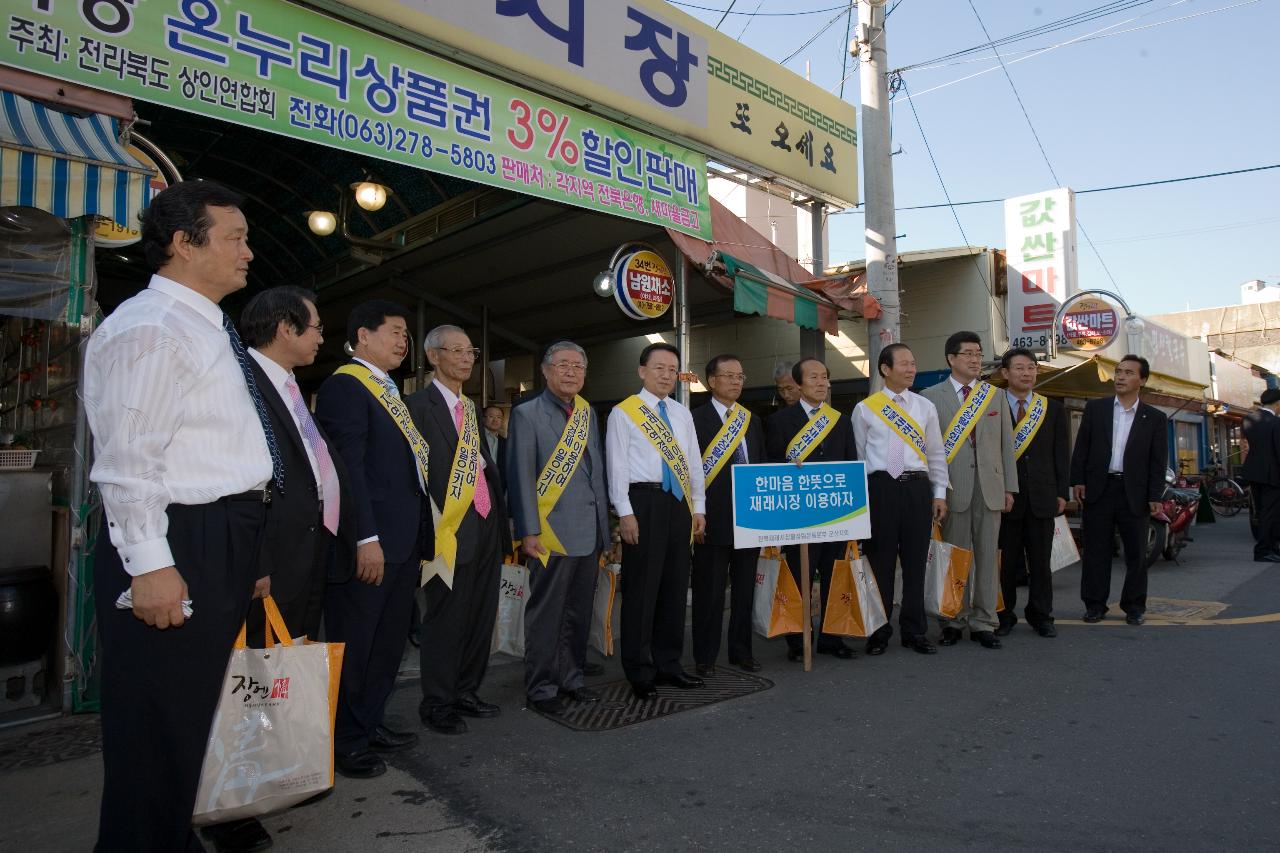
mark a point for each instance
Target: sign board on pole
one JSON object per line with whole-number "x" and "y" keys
{"x": 1090, "y": 324}
{"x": 643, "y": 285}
{"x": 787, "y": 504}
{"x": 1040, "y": 246}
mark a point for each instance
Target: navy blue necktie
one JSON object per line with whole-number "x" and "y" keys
{"x": 242, "y": 356}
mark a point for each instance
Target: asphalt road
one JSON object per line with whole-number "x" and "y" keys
{"x": 1109, "y": 737}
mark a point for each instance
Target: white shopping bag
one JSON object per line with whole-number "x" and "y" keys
{"x": 854, "y": 605}
{"x": 271, "y": 743}
{"x": 776, "y": 608}
{"x": 604, "y": 613}
{"x": 1064, "y": 551}
{"x": 946, "y": 574}
{"x": 513, "y": 595}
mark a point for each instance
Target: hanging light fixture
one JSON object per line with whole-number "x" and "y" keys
{"x": 370, "y": 195}
{"x": 321, "y": 222}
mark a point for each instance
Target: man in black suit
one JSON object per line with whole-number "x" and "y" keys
{"x": 460, "y": 591}
{"x": 1117, "y": 473}
{"x": 361, "y": 410}
{"x": 495, "y": 441}
{"x": 283, "y": 332}
{"x": 728, "y": 435}
{"x": 1041, "y": 446}
{"x": 1261, "y": 469}
{"x": 783, "y": 443}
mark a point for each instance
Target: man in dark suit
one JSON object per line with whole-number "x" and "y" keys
{"x": 724, "y": 444}
{"x": 283, "y": 332}
{"x": 1041, "y": 448}
{"x": 783, "y": 444}
{"x": 556, "y": 454}
{"x": 494, "y": 440}
{"x": 1261, "y": 469}
{"x": 1117, "y": 474}
{"x": 361, "y": 410}
{"x": 460, "y": 587}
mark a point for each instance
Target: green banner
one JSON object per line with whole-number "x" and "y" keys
{"x": 282, "y": 68}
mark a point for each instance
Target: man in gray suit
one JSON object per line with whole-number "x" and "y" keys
{"x": 554, "y": 455}
{"x": 977, "y": 437}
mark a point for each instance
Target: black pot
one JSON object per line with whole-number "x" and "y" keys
{"x": 28, "y": 614}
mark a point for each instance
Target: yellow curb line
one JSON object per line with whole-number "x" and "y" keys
{"x": 1153, "y": 621}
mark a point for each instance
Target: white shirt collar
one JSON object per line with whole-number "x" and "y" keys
{"x": 650, "y": 398}
{"x": 377, "y": 371}
{"x": 200, "y": 304}
{"x": 956, "y": 384}
{"x": 450, "y": 398}
{"x": 721, "y": 409}
{"x": 1014, "y": 399}
{"x": 277, "y": 374}
{"x": 1121, "y": 408}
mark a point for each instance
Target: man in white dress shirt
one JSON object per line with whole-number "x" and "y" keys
{"x": 656, "y": 488}
{"x": 897, "y": 434}
{"x": 184, "y": 458}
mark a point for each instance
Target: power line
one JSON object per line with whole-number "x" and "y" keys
{"x": 726, "y": 13}
{"x": 750, "y": 18}
{"x": 730, "y": 11}
{"x": 815, "y": 36}
{"x": 844, "y": 49}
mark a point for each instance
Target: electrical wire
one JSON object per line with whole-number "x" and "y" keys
{"x": 816, "y": 35}
{"x": 750, "y": 18}
{"x": 730, "y": 11}
{"x": 726, "y": 13}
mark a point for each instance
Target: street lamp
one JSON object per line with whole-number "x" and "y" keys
{"x": 321, "y": 222}
{"x": 369, "y": 195}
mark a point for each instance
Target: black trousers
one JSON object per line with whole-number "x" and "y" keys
{"x": 822, "y": 556}
{"x": 373, "y": 621}
{"x": 1110, "y": 513}
{"x": 557, "y": 622}
{"x": 712, "y": 566}
{"x": 457, "y": 623}
{"x": 655, "y": 577}
{"x": 1032, "y": 536}
{"x": 302, "y": 611}
{"x": 901, "y": 521}
{"x": 1266, "y": 511}
{"x": 160, "y": 688}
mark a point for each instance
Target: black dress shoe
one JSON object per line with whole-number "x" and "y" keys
{"x": 1046, "y": 629}
{"x": 794, "y": 655}
{"x": 705, "y": 669}
{"x": 580, "y": 694}
{"x": 443, "y": 720}
{"x": 1135, "y": 619}
{"x": 679, "y": 679}
{"x": 474, "y": 706}
{"x": 987, "y": 638}
{"x": 384, "y": 739}
{"x": 920, "y": 644}
{"x": 1094, "y": 616}
{"x": 552, "y": 707}
{"x": 842, "y": 652}
{"x": 746, "y": 664}
{"x": 238, "y": 836}
{"x": 361, "y": 764}
{"x": 592, "y": 669}
{"x": 950, "y": 636}
{"x": 1006, "y": 626}
{"x": 1267, "y": 558}
{"x": 877, "y": 646}
{"x": 643, "y": 689}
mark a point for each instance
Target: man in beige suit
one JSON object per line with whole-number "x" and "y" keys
{"x": 977, "y": 438}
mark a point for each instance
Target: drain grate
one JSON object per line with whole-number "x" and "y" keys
{"x": 63, "y": 740}
{"x": 618, "y": 707}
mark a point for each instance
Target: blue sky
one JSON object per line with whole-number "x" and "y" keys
{"x": 1183, "y": 98}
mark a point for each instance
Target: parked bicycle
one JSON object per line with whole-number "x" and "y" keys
{"x": 1226, "y": 495}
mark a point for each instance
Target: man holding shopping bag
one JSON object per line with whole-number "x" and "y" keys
{"x": 556, "y": 489}
{"x": 897, "y": 434}
{"x": 978, "y": 443}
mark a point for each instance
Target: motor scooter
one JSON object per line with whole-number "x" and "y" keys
{"x": 1177, "y": 511}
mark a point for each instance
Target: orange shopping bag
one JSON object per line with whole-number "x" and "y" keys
{"x": 776, "y": 609}
{"x": 854, "y": 606}
{"x": 946, "y": 574}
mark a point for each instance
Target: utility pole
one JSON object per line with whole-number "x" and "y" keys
{"x": 877, "y": 174}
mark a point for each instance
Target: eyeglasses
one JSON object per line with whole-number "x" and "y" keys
{"x": 471, "y": 351}
{"x": 970, "y": 353}
{"x": 569, "y": 367}
{"x": 319, "y": 327}
{"x": 733, "y": 377}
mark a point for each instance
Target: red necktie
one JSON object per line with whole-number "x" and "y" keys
{"x": 964, "y": 392}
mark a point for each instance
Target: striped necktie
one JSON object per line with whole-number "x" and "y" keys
{"x": 242, "y": 358}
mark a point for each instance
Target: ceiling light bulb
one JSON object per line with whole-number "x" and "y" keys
{"x": 321, "y": 222}
{"x": 602, "y": 284}
{"x": 370, "y": 196}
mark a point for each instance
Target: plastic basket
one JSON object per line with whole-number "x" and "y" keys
{"x": 17, "y": 460}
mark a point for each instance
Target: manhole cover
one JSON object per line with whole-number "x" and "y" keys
{"x": 63, "y": 740}
{"x": 618, "y": 707}
{"x": 1173, "y": 608}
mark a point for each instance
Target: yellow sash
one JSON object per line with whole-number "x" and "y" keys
{"x": 725, "y": 444}
{"x": 1025, "y": 430}
{"x": 897, "y": 419}
{"x": 812, "y": 434}
{"x": 396, "y": 408}
{"x": 967, "y": 418}
{"x": 655, "y": 429}
{"x": 560, "y": 468}
{"x": 460, "y": 490}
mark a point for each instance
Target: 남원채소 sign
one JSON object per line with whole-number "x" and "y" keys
{"x": 1040, "y": 254}
{"x": 643, "y": 285}
{"x": 286, "y": 69}
{"x": 788, "y": 504}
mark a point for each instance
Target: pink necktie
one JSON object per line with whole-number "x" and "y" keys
{"x": 482, "y": 485}
{"x": 329, "y": 487}
{"x": 897, "y": 462}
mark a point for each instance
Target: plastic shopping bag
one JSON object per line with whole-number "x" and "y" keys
{"x": 777, "y": 607}
{"x": 513, "y": 595}
{"x": 946, "y": 574}
{"x": 604, "y": 612}
{"x": 854, "y": 605}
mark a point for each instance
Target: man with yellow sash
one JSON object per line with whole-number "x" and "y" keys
{"x": 1041, "y": 448}
{"x": 897, "y": 434}
{"x": 728, "y": 435}
{"x": 556, "y": 491}
{"x": 460, "y": 587}
{"x": 656, "y": 488}
{"x": 361, "y": 410}
{"x": 978, "y": 441}
{"x": 810, "y": 430}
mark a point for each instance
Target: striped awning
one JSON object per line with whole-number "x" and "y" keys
{"x": 66, "y": 165}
